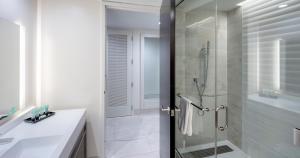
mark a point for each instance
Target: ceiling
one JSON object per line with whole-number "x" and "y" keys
{"x": 123, "y": 19}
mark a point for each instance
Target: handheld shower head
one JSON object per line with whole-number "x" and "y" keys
{"x": 203, "y": 52}
{"x": 204, "y": 56}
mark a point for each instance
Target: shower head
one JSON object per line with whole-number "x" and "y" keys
{"x": 203, "y": 52}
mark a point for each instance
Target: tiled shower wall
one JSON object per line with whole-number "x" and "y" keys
{"x": 234, "y": 70}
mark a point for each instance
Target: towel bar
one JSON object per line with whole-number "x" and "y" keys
{"x": 196, "y": 106}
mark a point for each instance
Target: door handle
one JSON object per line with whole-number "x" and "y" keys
{"x": 165, "y": 109}
{"x": 168, "y": 109}
{"x": 221, "y": 128}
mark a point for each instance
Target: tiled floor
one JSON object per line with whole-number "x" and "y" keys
{"x": 133, "y": 136}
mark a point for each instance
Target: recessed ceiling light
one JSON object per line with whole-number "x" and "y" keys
{"x": 282, "y": 5}
{"x": 159, "y": 23}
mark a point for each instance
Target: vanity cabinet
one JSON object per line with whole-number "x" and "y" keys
{"x": 79, "y": 150}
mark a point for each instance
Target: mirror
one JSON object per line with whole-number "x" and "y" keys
{"x": 9, "y": 69}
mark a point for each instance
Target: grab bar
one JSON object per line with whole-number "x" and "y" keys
{"x": 221, "y": 128}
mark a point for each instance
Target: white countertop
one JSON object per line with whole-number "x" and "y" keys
{"x": 65, "y": 125}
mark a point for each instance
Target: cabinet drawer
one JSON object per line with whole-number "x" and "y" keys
{"x": 79, "y": 150}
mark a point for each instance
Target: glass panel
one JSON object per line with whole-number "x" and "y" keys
{"x": 271, "y": 44}
{"x": 195, "y": 78}
{"x": 258, "y": 65}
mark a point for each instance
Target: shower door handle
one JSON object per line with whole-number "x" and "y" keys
{"x": 221, "y": 128}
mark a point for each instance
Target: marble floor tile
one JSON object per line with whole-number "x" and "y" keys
{"x": 134, "y": 136}
{"x": 118, "y": 149}
{"x": 145, "y": 155}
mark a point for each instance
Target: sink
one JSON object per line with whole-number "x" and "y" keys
{"x": 33, "y": 148}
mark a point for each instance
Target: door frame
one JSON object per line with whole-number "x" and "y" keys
{"x": 107, "y": 4}
{"x": 142, "y": 78}
{"x": 118, "y": 112}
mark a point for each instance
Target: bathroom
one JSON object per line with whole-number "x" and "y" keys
{"x": 227, "y": 70}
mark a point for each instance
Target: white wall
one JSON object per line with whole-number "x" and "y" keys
{"x": 25, "y": 14}
{"x": 122, "y": 19}
{"x": 73, "y": 62}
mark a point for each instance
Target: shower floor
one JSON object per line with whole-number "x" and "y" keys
{"x": 236, "y": 153}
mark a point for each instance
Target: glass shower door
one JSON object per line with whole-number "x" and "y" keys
{"x": 228, "y": 79}
{"x": 195, "y": 78}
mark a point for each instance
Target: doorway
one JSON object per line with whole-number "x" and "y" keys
{"x": 131, "y": 124}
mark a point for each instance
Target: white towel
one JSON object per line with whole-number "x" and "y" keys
{"x": 185, "y": 120}
{"x": 198, "y": 122}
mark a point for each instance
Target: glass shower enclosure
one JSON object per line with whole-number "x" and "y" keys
{"x": 238, "y": 65}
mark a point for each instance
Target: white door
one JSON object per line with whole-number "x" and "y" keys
{"x": 118, "y": 74}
